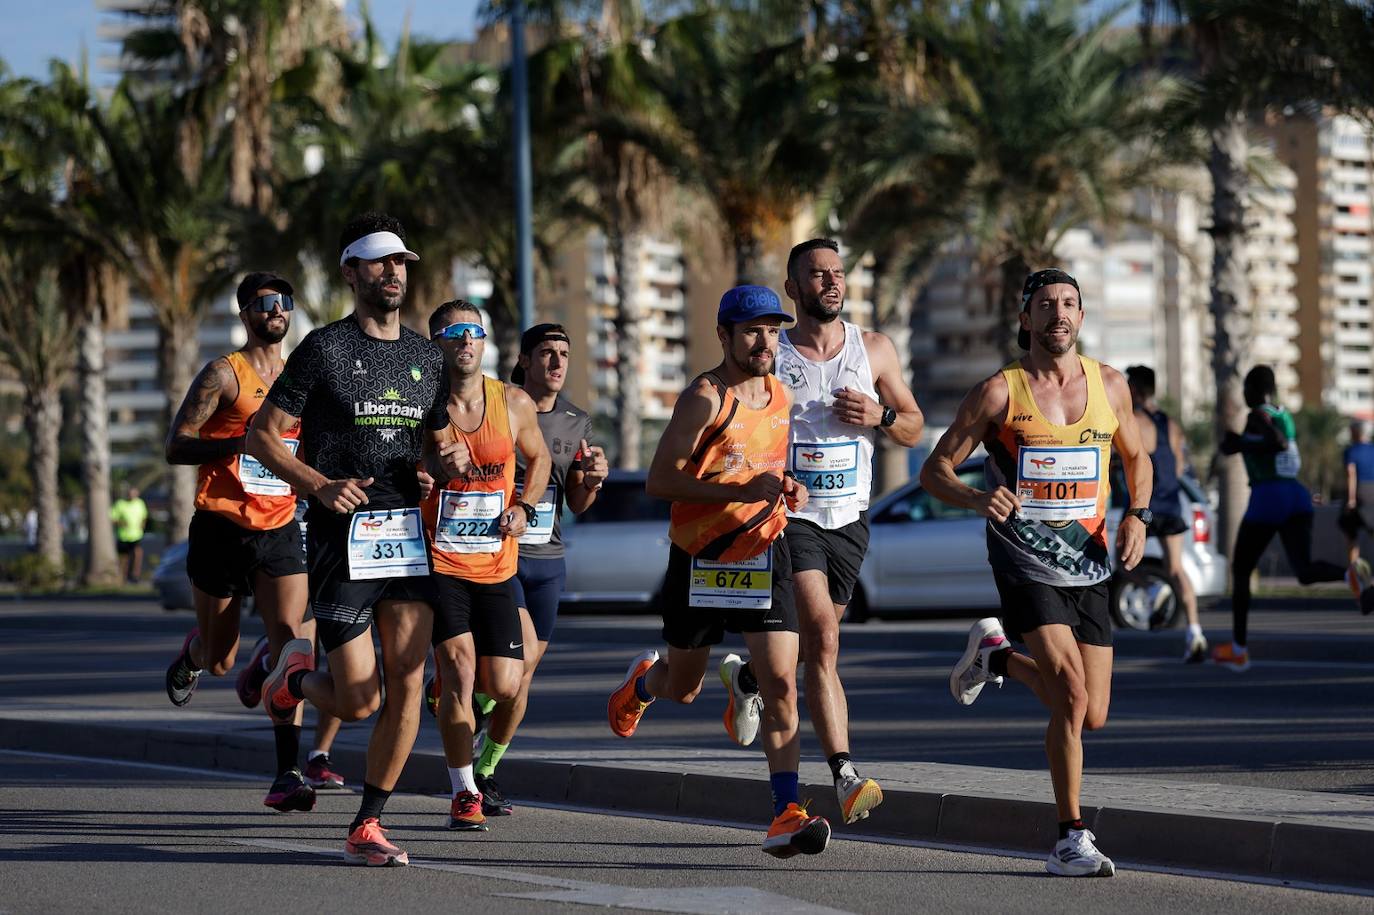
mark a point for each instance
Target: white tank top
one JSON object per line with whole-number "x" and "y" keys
{"x": 834, "y": 460}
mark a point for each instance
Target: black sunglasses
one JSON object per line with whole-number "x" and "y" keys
{"x": 267, "y": 304}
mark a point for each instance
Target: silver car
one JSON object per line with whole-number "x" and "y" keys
{"x": 617, "y": 551}
{"x": 925, "y": 555}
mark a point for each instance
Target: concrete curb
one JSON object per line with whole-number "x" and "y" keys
{"x": 1253, "y": 847}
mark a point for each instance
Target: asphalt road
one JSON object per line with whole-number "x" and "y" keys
{"x": 1301, "y": 718}
{"x": 121, "y": 837}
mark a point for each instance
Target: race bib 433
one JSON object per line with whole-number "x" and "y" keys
{"x": 829, "y": 471}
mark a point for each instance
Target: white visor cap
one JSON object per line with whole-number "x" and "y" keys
{"x": 376, "y": 246}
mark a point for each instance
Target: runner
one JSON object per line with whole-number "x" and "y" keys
{"x": 846, "y": 385}
{"x": 576, "y": 476}
{"x": 370, "y": 395}
{"x": 130, "y": 517}
{"x": 1162, "y": 439}
{"x": 244, "y": 538}
{"x": 473, "y": 522}
{"x": 1279, "y": 504}
{"x": 1359, "y": 490}
{"x": 722, "y": 461}
{"x": 1047, "y": 534}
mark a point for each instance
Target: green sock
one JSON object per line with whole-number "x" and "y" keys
{"x": 491, "y": 755}
{"x": 484, "y": 702}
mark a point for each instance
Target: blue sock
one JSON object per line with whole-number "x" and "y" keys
{"x": 785, "y": 790}
{"x": 641, "y": 691}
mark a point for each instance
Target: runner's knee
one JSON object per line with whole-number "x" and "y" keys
{"x": 1095, "y": 720}
{"x": 357, "y": 704}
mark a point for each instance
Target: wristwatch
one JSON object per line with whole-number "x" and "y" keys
{"x": 889, "y": 417}
{"x": 530, "y": 513}
{"x": 1146, "y": 516}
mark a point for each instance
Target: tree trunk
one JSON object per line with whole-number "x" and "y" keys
{"x": 629, "y": 347}
{"x": 1230, "y": 310}
{"x": 43, "y": 422}
{"x": 1014, "y": 271}
{"x": 893, "y": 464}
{"x": 178, "y": 355}
{"x": 747, "y": 259}
{"x": 102, "y": 565}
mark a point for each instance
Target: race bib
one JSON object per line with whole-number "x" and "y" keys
{"x": 387, "y": 544}
{"x": 830, "y": 472}
{"x": 1058, "y": 483}
{"x": 257, "y": 480}
{"x": 540, "y": 531}
{"x": 743, "y": 585}
{"x": 469, "y": 522}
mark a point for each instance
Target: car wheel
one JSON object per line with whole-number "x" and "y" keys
{"x": 857, "y": 609}
{"x": 1143, "y": 599}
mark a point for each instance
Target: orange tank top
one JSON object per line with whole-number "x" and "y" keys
{"x": 462, "y": 518}
{"x": 238, "y": 486}
{"x": 740, "y": 444}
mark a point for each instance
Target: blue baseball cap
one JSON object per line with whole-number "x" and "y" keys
{"x": 744, "y": 303}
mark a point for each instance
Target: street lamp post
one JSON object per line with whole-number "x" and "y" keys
{"x": 523, "y": 179}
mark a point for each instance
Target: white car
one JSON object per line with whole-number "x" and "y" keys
{"x": 926, "y": 556}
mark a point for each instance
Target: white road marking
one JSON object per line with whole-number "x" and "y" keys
{"x": 691, "y": 900}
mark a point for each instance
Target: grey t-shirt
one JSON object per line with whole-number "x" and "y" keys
{"x": 564, "y": 427}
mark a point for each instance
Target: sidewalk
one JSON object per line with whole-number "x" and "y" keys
{"x": 1289, "y": 835}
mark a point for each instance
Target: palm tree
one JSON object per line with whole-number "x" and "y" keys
{"x": 746, "y": 90}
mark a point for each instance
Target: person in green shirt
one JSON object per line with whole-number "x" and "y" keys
{"x": 130, "y": 517}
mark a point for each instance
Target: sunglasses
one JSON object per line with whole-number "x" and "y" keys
{"x": 456, "y": 331}
{"x": 266, "y": 304}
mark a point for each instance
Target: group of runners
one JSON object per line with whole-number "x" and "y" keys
{"x": 434, "y": 495}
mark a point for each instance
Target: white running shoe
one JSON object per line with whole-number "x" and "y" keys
{"x": 1077, "y": 856}
{"x": 743, "y": 710}
{"x": 1195, "y": 649}
{"x": 857, "y": 796}
{"x": 967, "y": 679}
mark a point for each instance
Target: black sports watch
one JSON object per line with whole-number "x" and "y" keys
{"x": 530, "y": 513}
{"x": 889, "y": 417}
{"x": 1146, "y": 516}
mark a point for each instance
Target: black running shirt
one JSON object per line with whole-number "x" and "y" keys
{"x": 563, "y": 428}
{"x": 365, "y": 405}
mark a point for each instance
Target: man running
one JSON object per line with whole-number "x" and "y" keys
{"x": 578, "y": 471}
{"x": 473, "y": 520}
{"x": 244, "y": 538}
{"x": 1279, "y": 504}
{"x": 1162, "y": 439}
{"x": 370, "y": 395}
{"x": 722, "y": 461}
{"x": 1359, "y": 488}
{"x": 130, "y": 517}
{"x": 1049, "y": 421}
{"x": 846, "y": 385}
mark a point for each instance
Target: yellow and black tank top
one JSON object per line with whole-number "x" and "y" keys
{"x": 1060, "y": 474}
{"x": 737, "y": 446}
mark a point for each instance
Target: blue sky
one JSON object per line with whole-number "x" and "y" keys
{"x": 30, "y": 40}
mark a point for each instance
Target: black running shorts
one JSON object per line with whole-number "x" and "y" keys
{"x": 487, "y": 611}
{"x": 838, "y": 553}
{"x": 1030, "y": 605}
{"x": 1166, "y": 526}
{"x": 222, "y": 558}
{"x": 343, "y": 607}
{"x": 690, "y": 627}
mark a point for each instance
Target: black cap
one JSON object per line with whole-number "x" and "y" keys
{"x": 1039, "y": 280}
{"x": 248, "y": 289}
{"x": 532, "y": 338}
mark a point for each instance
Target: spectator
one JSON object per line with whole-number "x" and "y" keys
{"x": 130, "y": 517}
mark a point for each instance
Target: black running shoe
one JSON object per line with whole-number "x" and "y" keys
{"x": 181, "y": 677}
{"x": 290, "y": 792}
{"x": 494, "y": 803}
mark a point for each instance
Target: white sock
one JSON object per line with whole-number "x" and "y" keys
{"x": 460, "y": 778}
{"x": 1194, "y": 631}
{"x": 314, "y": 753}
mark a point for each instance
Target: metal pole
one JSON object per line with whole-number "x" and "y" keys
{"x": 524, "y": 237}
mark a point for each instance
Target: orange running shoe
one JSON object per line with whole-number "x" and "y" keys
{"x": 297, "y": 654}
{"x": 368, "y": 845}
{"x": 796, "y": 832}
{"x": 625, "y": 708}
{"x": 1226, "y": 654}
{"x": 465, "y": 813}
